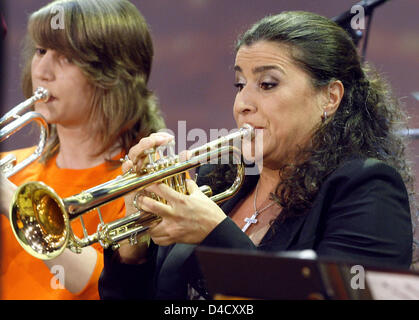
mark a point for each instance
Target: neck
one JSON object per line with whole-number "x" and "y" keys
{"x": 77, "y": 149}
{"x": 267, "y": 183}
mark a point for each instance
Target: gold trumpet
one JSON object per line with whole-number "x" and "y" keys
{"x": 40, "y": 219}
{"x": 13, "y": 121}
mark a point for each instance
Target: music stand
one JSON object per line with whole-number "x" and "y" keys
{"x": 257, "y": 275}
{"x": 294, "y": 275}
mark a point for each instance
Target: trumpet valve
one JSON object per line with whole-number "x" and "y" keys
{"x": 171, "y": 149}
{"x": 115, "y": 246}
{"x": 150, "y": 154}
{"x": 160, "y": 150}
{"x": 150, "y": 165}
{"x": 7, "y": 163}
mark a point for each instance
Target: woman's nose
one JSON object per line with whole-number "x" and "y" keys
{"x": 243, "y": 108}
{"x": 245, "y": 103}
{"x": 43, "y": 67}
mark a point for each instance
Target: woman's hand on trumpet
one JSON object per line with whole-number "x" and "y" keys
{"x": 136, "y": 155}
{"x": 128, "y": 253}
{"x": 185, "y": 218}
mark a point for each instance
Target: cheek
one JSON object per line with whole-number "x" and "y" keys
{"x": 312, "y": 116}
{"x": 235, "y": 109}
{"x": 275, "y": 137}
{"x": 81, "y": 91}
{"x": 284, "y": 129}
{"x": 32, "y": 70}
{"x": 88, "y": 96}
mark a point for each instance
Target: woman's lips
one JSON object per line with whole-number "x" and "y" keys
{"x": 255, "y": 126}
{"x": 258, "y": 131}
{"x": 51, "y": 98}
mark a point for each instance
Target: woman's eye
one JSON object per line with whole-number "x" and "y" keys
{"x": 40, "y": 51}
{"x": 268, "y": 85}
{"x": 239, "y": 86}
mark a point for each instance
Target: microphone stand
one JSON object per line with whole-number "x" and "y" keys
{"x": 345, "y": 19}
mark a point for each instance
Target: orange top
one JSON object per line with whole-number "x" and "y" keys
{"x": 25, "y": 277}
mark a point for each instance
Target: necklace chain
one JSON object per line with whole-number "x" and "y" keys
{"x": 254, "y": 202}
{"x": 252, "y": 219}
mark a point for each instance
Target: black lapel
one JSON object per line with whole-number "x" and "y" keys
{"x": 248, "y": 185}
{"x": 283, "y": 236}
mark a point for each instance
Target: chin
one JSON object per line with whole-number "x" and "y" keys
{"x": 46, "y": 116}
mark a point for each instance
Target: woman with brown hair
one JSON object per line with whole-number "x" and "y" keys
{"x": 94, "y": 57}
{"x": 333, "y": 179}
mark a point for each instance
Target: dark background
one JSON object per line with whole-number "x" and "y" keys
{"x": 194, "y": 54}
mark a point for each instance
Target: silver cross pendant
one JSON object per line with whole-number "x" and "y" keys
{"x": 250, "y": 221}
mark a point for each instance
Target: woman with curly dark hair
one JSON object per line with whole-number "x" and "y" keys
{"x": 333, "y": 178}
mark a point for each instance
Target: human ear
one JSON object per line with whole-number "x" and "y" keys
{"x": 334, "y": 95}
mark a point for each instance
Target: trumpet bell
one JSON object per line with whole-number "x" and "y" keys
{"x": 38, "y": 221}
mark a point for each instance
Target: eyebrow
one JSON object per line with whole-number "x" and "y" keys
{"x": 261, "y": 69}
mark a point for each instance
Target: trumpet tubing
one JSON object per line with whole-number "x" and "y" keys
{"x": 40, "y": 219}
{"x": 13, "y": 121}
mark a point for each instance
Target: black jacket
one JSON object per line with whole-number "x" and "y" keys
{"x": 361, "y": 215}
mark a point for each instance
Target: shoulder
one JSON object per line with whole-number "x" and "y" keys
{"x": 364, "y": 213}
{"x": 364, "y": 171}
{"x": 367, "y": 165}
{"x": 365, "y": 188}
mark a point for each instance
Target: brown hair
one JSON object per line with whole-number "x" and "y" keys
{"x": 111, "y": 43}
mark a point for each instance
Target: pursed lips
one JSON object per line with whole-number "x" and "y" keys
{"x": 253, "y": 125}
{"x": 51, "y": 98}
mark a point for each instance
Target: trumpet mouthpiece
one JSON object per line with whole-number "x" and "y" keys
{"x": 42, "y": 94}
{"x": 250, "y": 131}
